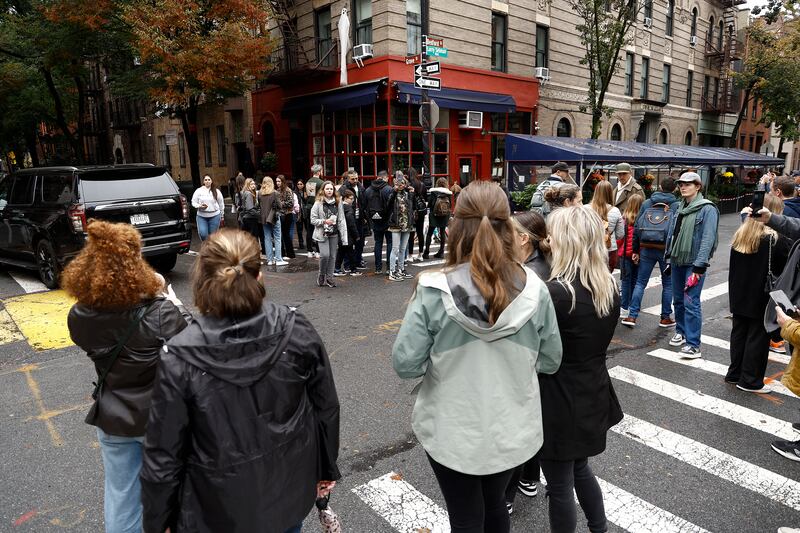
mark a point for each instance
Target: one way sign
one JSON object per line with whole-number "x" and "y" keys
{"x": 428, "y": 69}
{"x": 424, "y": 82}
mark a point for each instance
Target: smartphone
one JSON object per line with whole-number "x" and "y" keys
{"x": 780, "y": 298}
{"x": 758, "y": 202}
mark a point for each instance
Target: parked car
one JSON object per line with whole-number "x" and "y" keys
{"x": 43, "y": 214}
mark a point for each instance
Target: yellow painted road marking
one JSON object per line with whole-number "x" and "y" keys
{"x": 8, "y": 330}
{"x": 37, "y": 396}
{"x": 42, "y": 318}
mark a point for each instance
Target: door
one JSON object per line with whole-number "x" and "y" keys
{"x": 468, "y": 167}
{"x": 5, "y": 226}
{"x": 298, "y": 139}
{"x": 16, "y": 217}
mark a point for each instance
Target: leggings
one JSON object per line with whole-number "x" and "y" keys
{"x": 327, "y": 255}
{"x": 476, "y": 504}
{"x": 286, "y": 235}
{"x": 419, "y": 232}
{"x": 562, "y": 477}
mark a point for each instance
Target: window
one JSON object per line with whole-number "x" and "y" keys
{"x": 687, "y": 140}
{"x": 498, "y": 42}
{"x": 755, "y": 110}
{"x": 645, "y": 76}
{"x": 742, "y": 140}
{"x": 325, "y": 57}
{"x": 616, "y": 132}
{"x": 564, "y": 128}
{"x": 665, "y": 80}
{"x": 720, "y": 34}
{"x": 662, "y": 136}
{"x": 363, "y": 18}
{"x": 629, "y": 74}
{"x": 22, "y": 190}
{"x": 706, "y": 88}
{"x": 670, "y": 16}
{"x": 182, "y": 150}
{"x": 689, "y": 83}
{"x": 414, "y": 23}
{"x": 56, "y": 188}
{"x": 222, "y": 149}
{"x": 163, "y": 151}
{"x": 542, "y": 45}
{"x": 693, "y": 31}
{"x": 710, "y": 34}
{"x": 207, "y": 146}
{"x": 716, "y": 92}
{"x": 648, "y": 9}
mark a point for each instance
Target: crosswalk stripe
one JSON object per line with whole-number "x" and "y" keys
{"x": 404, "y": 507}
{"x": 726, "y": 345}
{"x": 28, "y": 283}
{"x": 725, "y": 466}
{"x": 714, "y": 368}
{"x": 704, "y": 402}
{"x": 707, "y": 294}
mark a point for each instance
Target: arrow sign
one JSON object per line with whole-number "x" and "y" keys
{"x": 428, "y": 69}
{"x": 423, "y": 82}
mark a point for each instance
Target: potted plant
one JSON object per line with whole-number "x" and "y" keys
{"x": 269, "y": 162}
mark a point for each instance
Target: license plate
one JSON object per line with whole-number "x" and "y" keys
{"x": 143, "y": 218}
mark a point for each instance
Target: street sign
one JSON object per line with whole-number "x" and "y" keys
{"x": 427, "y": 69}
{"x": 436, "y": 51}
{"x": 434, "y": 115}
{"x": 424, "y": 82}
{"x": 430, "y": 41}
{"x": 410, "y": 60}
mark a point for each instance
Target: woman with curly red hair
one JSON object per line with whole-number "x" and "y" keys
{"x": 120, "y": 319}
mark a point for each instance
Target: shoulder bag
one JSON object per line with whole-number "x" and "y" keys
{"x": 772, "y": 279}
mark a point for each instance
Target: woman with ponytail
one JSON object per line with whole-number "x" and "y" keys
{"x": 578, "y": 401}
{"x": 477, "y": 332}
{"x": 243, "y": 433}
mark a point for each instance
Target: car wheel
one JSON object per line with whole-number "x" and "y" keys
{"x": 47, "y": 264}
{"x": 164, "y": 263}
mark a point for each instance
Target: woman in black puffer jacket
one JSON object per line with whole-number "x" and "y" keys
{"x": 243, "y": 432}
{"x": 119, "y": 300}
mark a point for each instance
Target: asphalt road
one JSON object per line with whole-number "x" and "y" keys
{"x": 692, "y": 454}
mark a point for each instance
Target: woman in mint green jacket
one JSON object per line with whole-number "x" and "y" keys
{"x": 477, "y": 332}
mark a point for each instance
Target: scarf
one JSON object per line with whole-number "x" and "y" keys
{"x": 681, "y": 253}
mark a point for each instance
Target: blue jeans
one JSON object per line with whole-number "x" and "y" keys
{"x": 272, "y": 236}
{"x": 688, "y": 311}
{"x": 379, "y": 231}
{"x": 398, "y": 256}
{"x": 627, "y": 280}
{"x": 122, "y": 461}
{"x": 648, "y": 258}
{"x": 207, "y": 225}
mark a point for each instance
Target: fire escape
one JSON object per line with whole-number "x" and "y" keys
{"x": 298, "y": 57}
{"x": 722, "y": 50}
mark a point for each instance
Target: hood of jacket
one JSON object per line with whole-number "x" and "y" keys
{"x": 440, "y": 190}
{"x": 660, "y": 197}
{"x": 378, "y": 184}
{"x": 238, "y": 351}
{"x": 465, "y": 305}
{"x": 791, "y": 207}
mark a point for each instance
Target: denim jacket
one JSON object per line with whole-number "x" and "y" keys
{"x": 704, "y": 238}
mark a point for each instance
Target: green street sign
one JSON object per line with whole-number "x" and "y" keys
{"x": 436, "y": 51}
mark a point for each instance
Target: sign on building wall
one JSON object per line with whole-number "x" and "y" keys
{"x": 172, "y": 137}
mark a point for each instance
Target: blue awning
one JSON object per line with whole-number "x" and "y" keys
{"x": 461, "y": 99}
{"x": 347, "y": 97}
{"x": 535, "y": 148}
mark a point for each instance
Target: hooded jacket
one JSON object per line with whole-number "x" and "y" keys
{"x": 478, "y": 409}
{"x": 434, "y": 193}
{"x": 124, "y": 400}
{"x": 244, "y": 423}
{"x": 791, "y": 207}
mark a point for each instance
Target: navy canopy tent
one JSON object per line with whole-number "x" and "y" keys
{"x": 354, "y": 95}
{"x": 583, "y": 152}
{"x": 461, "y": 99}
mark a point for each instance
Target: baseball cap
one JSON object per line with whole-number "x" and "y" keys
{"x": 560, "y": 167}
{"x": 623, "y": 167}
{"x": 690, "y": 177}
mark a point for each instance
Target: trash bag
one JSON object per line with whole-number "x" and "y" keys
{"x": 327, "y": 517}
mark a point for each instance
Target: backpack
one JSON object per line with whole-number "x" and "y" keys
{"x": 377, "y": 207}
{"x": 654, "y": 224}
{"x": 441, "y": 208}
{"x": 538, "y": 203}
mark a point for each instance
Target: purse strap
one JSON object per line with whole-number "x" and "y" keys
{"x": 118, "y": 348}
{"x": 769, "y": 258}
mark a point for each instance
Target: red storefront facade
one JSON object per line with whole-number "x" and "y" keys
{"x": 384, "y": 134}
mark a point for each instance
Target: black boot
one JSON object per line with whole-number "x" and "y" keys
{"x": 329, "y": 282}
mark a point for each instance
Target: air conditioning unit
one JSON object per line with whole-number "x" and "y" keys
{"x": 542, "y": 73}
{"x": 648, "y": 22}
{"x": 471, "y": 120}
{"x": 693, "y": 40}
{"x": 362, "y": 52}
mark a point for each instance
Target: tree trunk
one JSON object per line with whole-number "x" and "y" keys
{"x": 61, "y": 120}
{"x": 780, "y": 149}
{"x": 597, "y": 123}
{"x": 742, "y": 112}
{"x": 189, "y": 122}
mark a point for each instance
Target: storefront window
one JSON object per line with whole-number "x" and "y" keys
{"x": 399, "y": 114}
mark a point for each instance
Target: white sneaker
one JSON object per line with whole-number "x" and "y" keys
{"x": 788, "y": 530}
{"x": 677, "y": 340}
{"x": 272, "y": 262}
{"x": 690, "y": 352}
{"x": 623, "y": 313}
{"x": 281, "y": 263}
{"x": 285, "y": 258}
{"x": 316, "y": 255}
{"x": 311, "y": 255}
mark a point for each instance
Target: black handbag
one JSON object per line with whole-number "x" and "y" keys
{"x": 789, "y": 282}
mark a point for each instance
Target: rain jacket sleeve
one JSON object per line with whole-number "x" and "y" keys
{"x": 788, "y": 226}
{"x": 162, "y": 468}
{"x": 550, "y": 349}
{"x": 412, "y": 348}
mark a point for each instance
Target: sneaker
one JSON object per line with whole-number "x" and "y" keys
{"x": 796, "y": 427}
{"x": 281, "y": 263}
{"x": 677, "y": 340}
{"x": 378, "y": 271}
{"x": 339, "y": 273}
{"x": 316, "y": 255}
{"x": 623, "y": 313}
{"x": 528, "y": 488}
{"x": 762, "y": 390}
{"x": 788, "y": 530}
{"x": 311, "y": 255}
{"x": 320, "y": 280}
{"x": 690, "y": 352}
{"x": 510, "y": 507}
{"x": 271, "y": 262}
{"x": 354, "y": 273}
{"x": 287, "y": 258}
{"x": 395, "y": 276}
{"x": 629, "y": 321}
{"x": 425, "y": 257}
{"x": 406, "y": 275}
{"x": 329, "y": 283}
{"x": 362, "y": 266}
{"x": 777, "y": 347}
{"x": 788, "y": 449}
{"x": 732, "y": 381}
{"x": 666, "y": 323}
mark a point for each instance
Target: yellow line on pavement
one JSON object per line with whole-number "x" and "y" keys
{"x": 42, "y": 318}
{"x": 37, "y": 396}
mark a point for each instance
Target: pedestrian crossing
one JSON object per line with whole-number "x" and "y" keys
{"x": 658, "y": 378}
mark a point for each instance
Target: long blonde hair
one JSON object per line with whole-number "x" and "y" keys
{"x": 482, "y": 234}
{"x": 632, "y": 208}
{"x": 267, "y": 186}
{"x": 246, "y": 187}
{"x": 748, "y": 237}
{"x": 602, "y": 199}
{"x": 577, "y": 249}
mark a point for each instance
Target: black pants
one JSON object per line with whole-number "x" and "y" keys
{"x": 562, "y": 478}
{"x": 300, "y": 224}
{"x": 346, "y": 255}
{"x": 476, "y": 504}
{"x": 419, "y": 233}
{"x": 254, "y": 228}
{"x": 749, "y": 352}
{"x": 527, "y": 471}
{"x": 442, "y": 236}
{"x": 286, "y": 236}
{"x": 311, "y": 244}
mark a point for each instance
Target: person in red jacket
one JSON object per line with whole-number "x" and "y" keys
{"x": 627, "y": 267}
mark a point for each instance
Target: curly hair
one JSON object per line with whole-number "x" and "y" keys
{"x": 110, "y": 272}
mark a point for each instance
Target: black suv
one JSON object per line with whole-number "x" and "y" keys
{"x": 43, "y": 213}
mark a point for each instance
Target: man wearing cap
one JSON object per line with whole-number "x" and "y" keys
{"x": 560, "y": 173}
{"x": 626, "y": 187}
{"x": 691, "y": 242}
